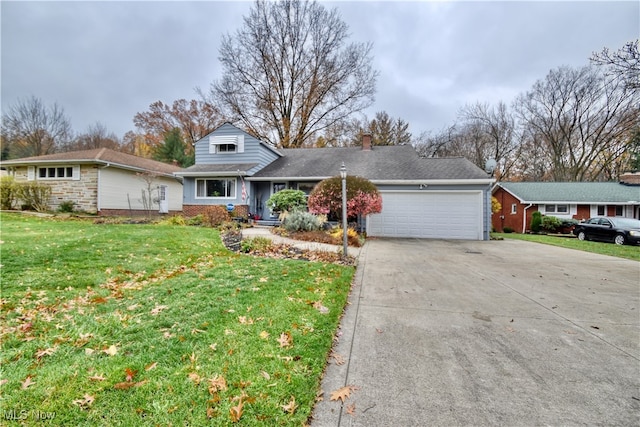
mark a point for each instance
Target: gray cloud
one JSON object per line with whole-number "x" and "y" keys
{"x": 106, "y": 61}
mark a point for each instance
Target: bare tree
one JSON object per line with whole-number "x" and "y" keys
{"x": 581, "y": 119}
{"x": 288, "y": 72}
{"x": 623, "y": 63}
{"x": 498, "y": 137}
{"x": 96, "y": 136}
{"x": 31, "y": 129}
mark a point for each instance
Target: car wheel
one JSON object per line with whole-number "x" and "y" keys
{"x": 619, "y": 240}
{"x": 582, "y": 236}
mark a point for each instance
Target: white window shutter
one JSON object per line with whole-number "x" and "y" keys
{"x": 76, "y": 172}
{"x": 240, "y": 145}
{"x": 31, "y": 173}
{"x": 212, "y": 144}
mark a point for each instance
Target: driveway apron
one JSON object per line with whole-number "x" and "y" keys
{"x": 512, "y": 333}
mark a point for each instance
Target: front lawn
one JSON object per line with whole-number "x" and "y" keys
{"x": 116, "y": 324}
{"x": 628, "y": 252}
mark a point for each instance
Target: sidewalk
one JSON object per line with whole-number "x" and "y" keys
{"x": 261, "y": 231}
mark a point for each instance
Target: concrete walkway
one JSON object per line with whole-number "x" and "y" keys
{"x": 497, "y": 333}
{"x": 258, "y": 231}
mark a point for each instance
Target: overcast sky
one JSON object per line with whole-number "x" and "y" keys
{"x": 106, "y": 61}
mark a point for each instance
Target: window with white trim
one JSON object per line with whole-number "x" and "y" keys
{"x": 220, "y": 188}
{"x": 55, "y": 172}
{"x": 560, "y": 209}
{"x": 223, "y": 144}
{"x": 514, "y": 208}
{"x": 619, "y": 211}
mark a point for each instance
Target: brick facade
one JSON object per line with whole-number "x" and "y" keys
{"x": 193, "y": 210}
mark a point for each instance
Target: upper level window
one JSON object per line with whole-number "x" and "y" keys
{"x": 560, "y": 209}
{"x": 225, "y": 188}
{"x": 59, "y": 172}
{"x": 226, "y": 144}
{"x": 514, "y": 208}
{"x": 226, "y": 148}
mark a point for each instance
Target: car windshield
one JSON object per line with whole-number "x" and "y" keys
{"x": 627, "y": 222}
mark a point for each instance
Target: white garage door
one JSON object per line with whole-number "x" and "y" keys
{"x": 436, "y": 215}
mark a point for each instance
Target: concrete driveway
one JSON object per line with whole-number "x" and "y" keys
{"x": 500, "y": 333}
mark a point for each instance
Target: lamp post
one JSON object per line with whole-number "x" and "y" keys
{"x": 343, "y": 175}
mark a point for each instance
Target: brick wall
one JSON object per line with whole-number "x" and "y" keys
{"x": 193, "y": 210}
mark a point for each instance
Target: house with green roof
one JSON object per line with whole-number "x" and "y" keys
{"x": 577, "y": 200}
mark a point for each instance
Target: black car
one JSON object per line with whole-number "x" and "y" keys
{"x": 609, "y": 229}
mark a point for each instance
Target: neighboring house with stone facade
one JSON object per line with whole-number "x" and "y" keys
{"x": 103, "y": 181}
{"x": 428, "y": 198}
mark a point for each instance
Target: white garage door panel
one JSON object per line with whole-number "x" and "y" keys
{"x": 436, "y": 215}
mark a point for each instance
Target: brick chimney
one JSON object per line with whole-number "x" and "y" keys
{"x": 630, "y": 178}
{"x": 366, "y": 142}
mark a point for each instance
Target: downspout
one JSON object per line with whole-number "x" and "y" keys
{"x": 524, "y": 218}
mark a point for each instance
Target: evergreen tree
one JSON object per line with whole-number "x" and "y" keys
{"x": 173, "y": 150}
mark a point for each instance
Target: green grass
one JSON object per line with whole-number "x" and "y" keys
{"x": 133, "y": 324}
{"x": 628, "y": 252}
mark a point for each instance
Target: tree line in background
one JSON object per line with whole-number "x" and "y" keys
{"x": 576, "y": 124}
{"x": 291, "y": 78}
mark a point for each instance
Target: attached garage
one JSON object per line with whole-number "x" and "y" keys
{"x": 429, "y": 214}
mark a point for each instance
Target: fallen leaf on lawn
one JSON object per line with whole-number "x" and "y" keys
{"x": 46, "y": 352}
{"x": 263, "y": 279}
{"x": 195, "y": 378}
{"x": 27, "y": 383}
{"x": 285, "y": 339}
{"x": 265, "y": 375}
{"x": 129, "y": 374}
{"x": 124, "y": 385}
{"x": 97, "y": 378}
{"x": 211, "y": 412}
{"x": 342, "y": 393}
{"x": 235, "y": 412}
{"x": 321, "y": 308}
{"x": 85, "y": 402}
{"x": 291, "y": 406}
{"x": 3, "y": 381}
{"x": 89, "y": 351}
{"x": 214, "y": 346}
{"x": 351, "y": 409}
{"x": 151, "y": 366}
{"x": 216, "y": 384}
{"x": 111, "y": 351}
{"x": 168, "y": 335}
{"x": 196, "y": 331}
{"x": 158, "y": 309}
{"x": 245, "y": 320}
{"x": 264, "y": 335}
{"x": 133, "y": 307}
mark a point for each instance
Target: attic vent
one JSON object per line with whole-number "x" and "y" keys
{"x": 226, "y": 144}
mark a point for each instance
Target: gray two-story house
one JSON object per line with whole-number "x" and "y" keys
{"x": 422, "y": 197}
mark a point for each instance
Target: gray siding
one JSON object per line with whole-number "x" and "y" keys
{"x": 254, "y": 150}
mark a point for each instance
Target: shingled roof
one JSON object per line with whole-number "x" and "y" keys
{"x": 380, "y": 164}
{"x": 572, "y": 192}
{"x": 102, "y": 156}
